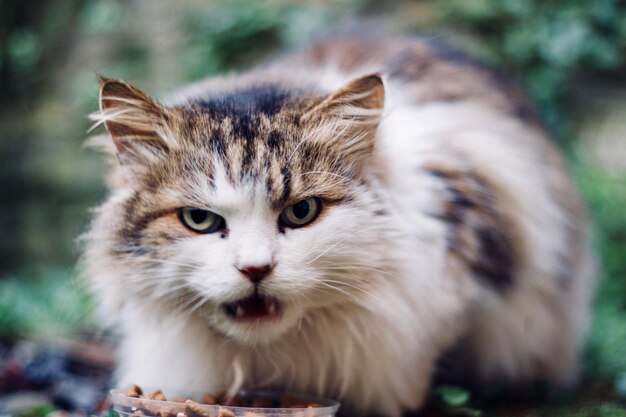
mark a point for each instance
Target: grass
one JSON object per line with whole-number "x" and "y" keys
{"x": 606, "y": 197}
{"x": 44, "y": 301}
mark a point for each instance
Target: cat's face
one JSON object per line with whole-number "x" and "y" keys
{"x": 246, "y": 217}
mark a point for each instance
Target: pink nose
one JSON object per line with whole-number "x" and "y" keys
{"x": 256, "y": 273}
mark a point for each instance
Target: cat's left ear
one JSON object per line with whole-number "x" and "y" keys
{"x": 349, "y": 117}
{"x": 136, "y": 122}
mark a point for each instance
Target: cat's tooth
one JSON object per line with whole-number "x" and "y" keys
{"x": 272, "y": 308}
{"x": 239, "y": 312}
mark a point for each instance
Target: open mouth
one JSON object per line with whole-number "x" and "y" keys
{"x": 255, "y": 307}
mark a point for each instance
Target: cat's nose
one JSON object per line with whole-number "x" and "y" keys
{"x": 256, "y": 273}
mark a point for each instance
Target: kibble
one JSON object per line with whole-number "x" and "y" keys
{"x": 194, "y": 409}
{"x": 225, "y": 412}
{"x": 156, "y": 404}
{"x": 134, "y": 391}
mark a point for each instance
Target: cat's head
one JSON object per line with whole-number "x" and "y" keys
{"x": 250, "y": 209}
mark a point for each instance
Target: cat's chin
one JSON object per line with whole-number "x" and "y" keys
{"x": 251, "y": 321}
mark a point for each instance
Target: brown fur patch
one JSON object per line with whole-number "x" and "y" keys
{"x": 478, "y": 234}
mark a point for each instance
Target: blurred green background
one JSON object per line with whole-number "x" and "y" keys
{"x": 569, "y": 54}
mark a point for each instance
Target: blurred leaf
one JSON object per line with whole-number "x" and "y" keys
{"x": 221, "y": 37}
{"x": 23, "y": 49}
{"x": 611, "y": 410}
{"x": 563, "y": 39}
{"x": 620, "y": 384}
{"x": 453, "y": 396}
{"x": 469, "y": 412}
{"x": 473, "y": 10}
{"x": 38, "y": 411}
{"x": 43, "y": 301}
{"x": 603, "y": 53}
{"x": 549, "y": 44}
{"x": 602, "y": 11}
{"x": 517, "y": 8}
{"x": 520, "y": 43}
{"x": 56, "y": 16}
{"x": 100, "y": 16}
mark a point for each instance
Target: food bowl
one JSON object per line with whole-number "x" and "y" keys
{"x": 268, "y": 405}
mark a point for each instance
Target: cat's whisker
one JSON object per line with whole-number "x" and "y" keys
{"x": 366, "y": 301}
{"x": 306, "y": 297}
{"x": 329, "y": 284}
{"x": 191, "y": 301}
{"x": 148, "y": 284}
{"x": 299, "y": 325}
{"x": 199, "y": 304}
{"x": 358, "y": 300}
{"x": 349, "y": 267}
{"x": 364, "y": 291}
{"x": 175, "y": 263}
{"x": 169, "y": 292}
{"x": 327, "y": 250}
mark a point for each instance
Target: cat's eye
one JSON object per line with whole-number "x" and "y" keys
{"x": 301, "y": 213}
{"x": 201, "y": 221}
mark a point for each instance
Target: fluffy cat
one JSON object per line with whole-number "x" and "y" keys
{"x": 335, "y": 222}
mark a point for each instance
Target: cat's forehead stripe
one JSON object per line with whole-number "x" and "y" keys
{"x": 256, "y": 135}
{"x": 260, "y": 99}
{"x": 249, "y": 147}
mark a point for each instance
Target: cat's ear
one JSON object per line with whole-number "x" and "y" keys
{"x": 349, "y": 117}
{"x": 136, "y": 122}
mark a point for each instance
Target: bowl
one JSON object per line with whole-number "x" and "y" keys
{"x": 300, "y": 405}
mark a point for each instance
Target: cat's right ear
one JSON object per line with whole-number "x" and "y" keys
{"x": 348, "y": 119}
{"x": 136, "y": 122}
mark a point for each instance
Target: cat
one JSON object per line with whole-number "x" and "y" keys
{"x": 336, "y": 221}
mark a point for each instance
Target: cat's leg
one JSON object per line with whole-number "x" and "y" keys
{"x": 174, "y": 353}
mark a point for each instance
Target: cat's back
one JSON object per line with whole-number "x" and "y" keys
{"x": 421, "y": 70}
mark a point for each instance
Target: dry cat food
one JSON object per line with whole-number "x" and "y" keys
{"x": 135, "y": 402}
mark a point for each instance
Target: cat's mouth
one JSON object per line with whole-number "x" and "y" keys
{"x": 254, "y": 307}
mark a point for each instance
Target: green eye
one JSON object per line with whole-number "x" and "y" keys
{"x": 201, "y": 221}
{"x": 301, "y": 213}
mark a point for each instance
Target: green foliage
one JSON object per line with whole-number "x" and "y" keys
{"x": 38, "y": 411}
{"x": 548, "y": 44}
{"x": 598, "y": 409}
{"x": 611, "y": 410}
{"x": 219, "y": 37}
{"x": 110, "y": 413}
{"x": 455, "y": 401}
{"x": 606, "y": 197}
{"x": 23, "y": 49}
{"x": 100, "y": 16}
{"x": 453, "y": 396}
{"x": 620, "y": 385}
{"x": 43, "y": 301}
